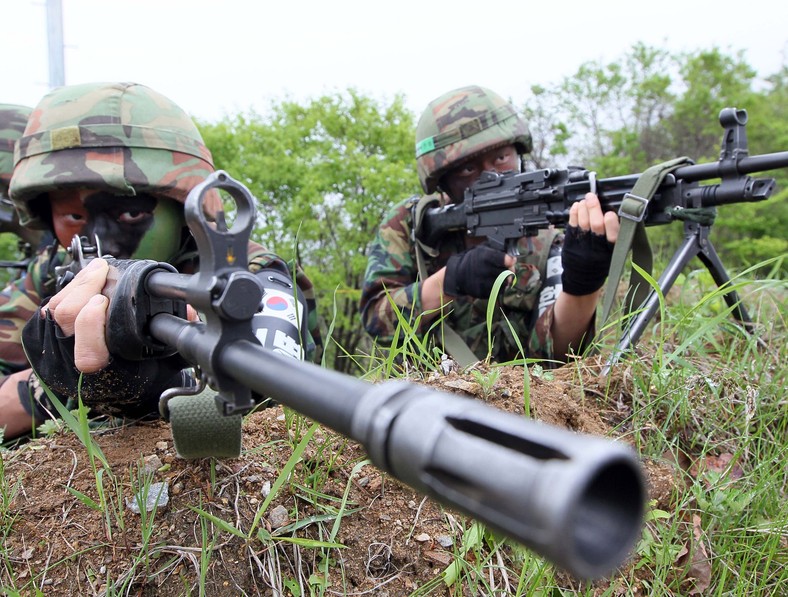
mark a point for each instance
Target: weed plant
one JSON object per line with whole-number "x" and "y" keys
{"x": 704, "y": 398}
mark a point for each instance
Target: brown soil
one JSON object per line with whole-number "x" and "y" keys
{"x": 394, "y": 539}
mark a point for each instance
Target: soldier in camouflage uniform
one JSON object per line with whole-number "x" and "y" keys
{"x": 461, "y": 134}
{"x": 114, "y": 160}
{"x": 13, "y": 119}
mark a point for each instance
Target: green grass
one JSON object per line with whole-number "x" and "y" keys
{"x": 700, "y": 396}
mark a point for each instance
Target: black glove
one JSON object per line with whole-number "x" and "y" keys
{"x": 586, "y": 261}
{"x": 124, "y": 388}
{"x": 473, "y": 272}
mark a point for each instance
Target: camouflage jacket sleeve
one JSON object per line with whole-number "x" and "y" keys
{"x": 391, "y": 280}
{"x": 261, "y": 258}
{"x": 19, "y": 302}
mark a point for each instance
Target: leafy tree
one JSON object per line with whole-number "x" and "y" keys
{"x": 324, "y": 173}
{"x": 548, "y": 129}
{"x": 9, "y": 251}
{"x": 709, "y": 81}
{"x": 614, "y": 110}
{"x": 754, "y": 232}
{"x": 650, "y": 106}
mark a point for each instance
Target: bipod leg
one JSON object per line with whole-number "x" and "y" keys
{"x": 708, "y": 255}
{"x": 637, "y": 324}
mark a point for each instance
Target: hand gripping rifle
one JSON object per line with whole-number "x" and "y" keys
{"x": 577, "y": 500}
{"x": 505, "y": 207}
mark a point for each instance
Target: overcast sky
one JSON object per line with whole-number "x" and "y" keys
{"x": 218, "y": 57}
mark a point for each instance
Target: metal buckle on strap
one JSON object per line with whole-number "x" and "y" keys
{"x": 635, "y": 218}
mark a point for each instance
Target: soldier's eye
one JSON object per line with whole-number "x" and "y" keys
{"x": 134, "y": 217}
{"x": 468, "y": 170}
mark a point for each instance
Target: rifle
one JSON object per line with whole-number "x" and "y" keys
{"x": 505, "y": 207}
{"x": 29, "y": 240}
{"x": 577, "y": 500}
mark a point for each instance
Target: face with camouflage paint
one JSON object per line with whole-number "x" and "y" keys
{"x": 499, "y": 159}
{"x": 139, "y": 227}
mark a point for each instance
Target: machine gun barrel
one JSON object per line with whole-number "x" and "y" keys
{"x": 504, "y": 207}
{"x": 577, "y": 500}
{"x": 745, "y": 165}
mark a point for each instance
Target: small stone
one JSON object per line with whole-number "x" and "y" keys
{"x": 279, "y": 517}
{"x": 439, "y": 557}
{"x": 460, "y": 384}
{"x": 158, "y": 497}
{"x": 150, "y": 464}
{"x": 444, "y": 541}
{"x": 422, "y": 537}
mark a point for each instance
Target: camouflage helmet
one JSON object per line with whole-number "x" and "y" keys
{"x": 122, "y": 138}
{"x": 461, "y": 124}
{"x": 13, "y": 119}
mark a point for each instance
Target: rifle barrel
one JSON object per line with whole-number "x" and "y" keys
{"x": 577, "y": 500}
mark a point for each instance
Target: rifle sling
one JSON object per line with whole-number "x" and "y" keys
{"x": 632, "y": 235}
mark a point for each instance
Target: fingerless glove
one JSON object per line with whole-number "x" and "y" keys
{"x": 122, "y": 389}
{"x": 586, "y": 261}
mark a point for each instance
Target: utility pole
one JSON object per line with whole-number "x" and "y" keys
{"x": 57, "y": 77}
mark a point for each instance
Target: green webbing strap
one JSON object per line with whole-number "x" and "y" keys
{"x": 452, "y": 342}
{"x": 199, "y": 430}
{"x": 632, "y": 235}
{"x": 704, "y": 216}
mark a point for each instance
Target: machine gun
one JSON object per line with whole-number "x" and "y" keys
{"x": 505, "y": 207}
{"x": 29, "y": 240}
{"x": 577, "y": 500}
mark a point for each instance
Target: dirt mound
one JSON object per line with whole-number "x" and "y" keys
{"x": 60, "y": 539}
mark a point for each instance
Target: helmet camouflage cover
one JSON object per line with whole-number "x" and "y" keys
{"x": 13, "y": 119}
{"x": 461, "y": 124}
{"x": 121, "y": 138}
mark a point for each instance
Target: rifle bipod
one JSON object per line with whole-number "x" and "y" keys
{"x": 696, "y": 243}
